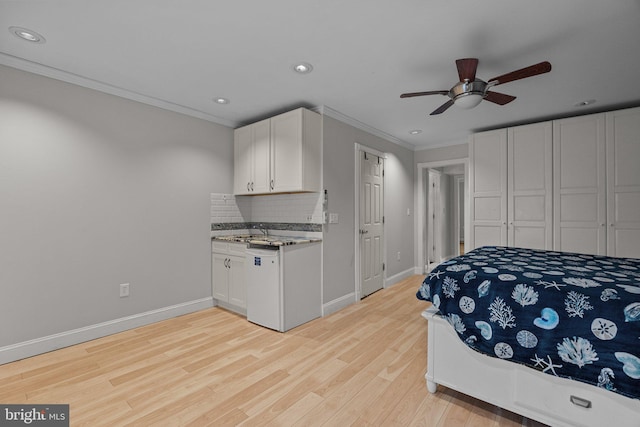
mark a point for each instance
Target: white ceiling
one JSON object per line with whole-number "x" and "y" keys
{"x": 180, "y": 54}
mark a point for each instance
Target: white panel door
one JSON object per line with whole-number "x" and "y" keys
{"x": 623, "y": 183}
{"x": 579, "y": 202}
{"x": 488, "y": 188}
{"x": 529, "y": 186}
{"x": 371, "y": 223}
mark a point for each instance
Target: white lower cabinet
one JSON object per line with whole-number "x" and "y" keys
{"x": 228, "y": 275}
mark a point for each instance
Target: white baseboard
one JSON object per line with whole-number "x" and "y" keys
{"x": 398, "y": 277}
{"x": 338, "y": 304}
{"x": 36, "y": 346}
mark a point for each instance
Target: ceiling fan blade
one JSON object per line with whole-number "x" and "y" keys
{"x": 499, "y": 98}
{"x": 467, "y": 68}
{"x": 523, "y": 73}
{"x": 431, "y": 92}
{"x": 442, "y": 108}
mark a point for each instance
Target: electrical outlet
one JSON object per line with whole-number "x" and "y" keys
{"x": 398, "y": 256}
{"x": 333, "y": 218}
{"x": 124, "y": 290}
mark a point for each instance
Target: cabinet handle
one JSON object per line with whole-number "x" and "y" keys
{"x": 578, "y": 401}
{"x": 248, "y": 186}
{"x": 251, "y": 185}
{"x": 271, "y": 185}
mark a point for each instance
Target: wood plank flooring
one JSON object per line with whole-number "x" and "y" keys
{"x": 361, "y": 366}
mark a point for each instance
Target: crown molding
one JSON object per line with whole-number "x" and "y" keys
{"x": 328, "y": 111}
{"x": 57, "y": 74}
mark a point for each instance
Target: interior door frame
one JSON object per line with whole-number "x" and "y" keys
{"x": 358, "y": 148}
{"x": 420, "y": 198}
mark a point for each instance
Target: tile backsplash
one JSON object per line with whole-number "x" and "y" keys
{"x": 304, "y": 208}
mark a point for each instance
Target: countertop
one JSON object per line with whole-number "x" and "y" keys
{"x": 266, "y": 240}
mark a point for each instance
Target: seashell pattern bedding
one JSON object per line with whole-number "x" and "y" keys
{"x": 571, "y": 315}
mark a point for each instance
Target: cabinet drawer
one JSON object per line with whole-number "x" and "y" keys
{"x": 228, "y": 248}
{"x": 218, "y": 246}
{"x": 237, "y": 249}
{"x": 573, "y": 403}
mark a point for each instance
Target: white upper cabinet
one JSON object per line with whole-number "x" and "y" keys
{"x": 252, "y": 157}
{"x": 623, "y": 183}
{"x": 579, "y": 184}
{"x": 279, "y": 155}
{"x": 511, "y": 187}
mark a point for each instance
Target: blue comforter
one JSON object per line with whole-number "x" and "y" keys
{"x": 571, "y": 315}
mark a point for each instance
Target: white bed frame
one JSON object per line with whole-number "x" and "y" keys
{"x": 517, "y": 388}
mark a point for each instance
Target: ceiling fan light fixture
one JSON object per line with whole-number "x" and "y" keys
{"x": 468, "y": 100}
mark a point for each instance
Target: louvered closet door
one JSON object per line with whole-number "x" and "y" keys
{"x": 488, "y": 188}
{"x": 529, "y": 186}
{"x": 579, "y": 201}
{"x": 623, "y": 183}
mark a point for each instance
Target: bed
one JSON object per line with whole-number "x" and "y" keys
{"x": 550, "y": 335}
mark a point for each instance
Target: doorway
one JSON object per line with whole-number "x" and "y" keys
{"x": 443, "y": 217}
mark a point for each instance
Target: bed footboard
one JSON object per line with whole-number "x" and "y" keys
{"x": 533, "y": 394}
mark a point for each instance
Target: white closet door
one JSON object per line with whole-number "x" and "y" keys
{"x": 579, "y": 201}
{"x": 623, "y": 183}
{"x": 529, "y": 186}
{"x": 488, "y": 188}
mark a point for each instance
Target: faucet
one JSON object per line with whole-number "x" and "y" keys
{"x": 262, "y": 228}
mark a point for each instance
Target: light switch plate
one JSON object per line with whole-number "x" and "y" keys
{"x": 333, "y": 218}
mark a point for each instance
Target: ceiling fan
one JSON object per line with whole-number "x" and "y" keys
{"x": 469, "y": 91}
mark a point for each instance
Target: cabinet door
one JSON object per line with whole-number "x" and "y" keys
{"x": 623, "y": 183}
{"x": 529, "y": 186}
{"x": 488, "y": 188}
{"x": 579, "y": 203}
{"x": 261, "y": 159}
{"x": 286, "y": 151}
{"x": 237, "y": 283}
{"x": 220, "y": 276}
{"x": 242, "y": 160}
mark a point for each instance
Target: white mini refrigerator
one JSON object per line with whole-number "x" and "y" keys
{"x": 284, "y": 286}
{"x": 264, "y": 299}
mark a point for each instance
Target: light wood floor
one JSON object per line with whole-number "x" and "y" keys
{"x": 363, "y": 365}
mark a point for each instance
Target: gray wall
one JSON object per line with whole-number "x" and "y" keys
{"x": 96, "y": 191}
{"x": 338, "y": 175}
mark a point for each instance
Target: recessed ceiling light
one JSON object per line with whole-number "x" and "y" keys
{"x": 27, "y": 34}
{"x": 584, "y": 103}
{"x": 303, "y": 68}
{"x": 415, "y": 132}
{"x": 221, "y": 100}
